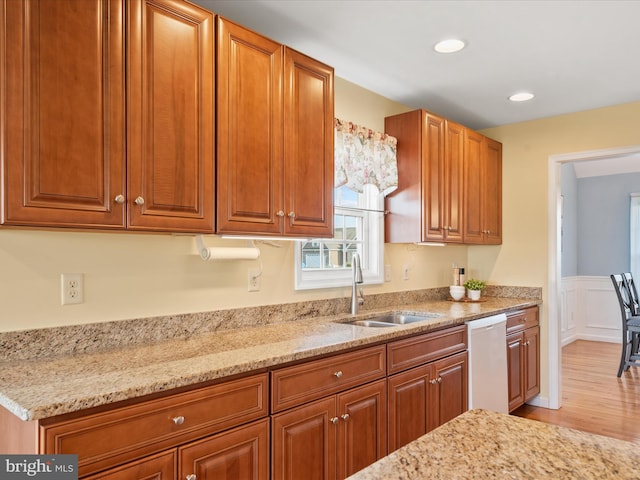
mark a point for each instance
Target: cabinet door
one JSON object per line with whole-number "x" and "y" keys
{"x": 239, "y": 454}
{"x": 453, "y": 182}
{"x": 249, "y": 132}
{"x": 492, "y": 191}
{"x": 304, "y": 442}
{"x": 532, "y": 363}
{"x": 473, "y": 194}
{"x": 450, "y": 390}
{"x": 362, "y": 436}
{"x": 63, "y": 149}
{"x": 409, "y": 405}
{"x": 308, "y": 150}
{"x": 515, "y": 369}
{"x": 433, "y": 178}
{"x": 170, "y": 116}
{"x": 155, "y": 467}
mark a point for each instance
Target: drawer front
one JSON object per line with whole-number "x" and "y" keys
{"x": 414, "y": 351}
{"x": 291, "y": 386}
{"x": 116, "y": 436}
{"x": 522, "y": 319}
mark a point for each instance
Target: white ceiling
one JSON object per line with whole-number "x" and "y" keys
{"x": 574, "y": 55}
{"x": 608, "y": 166}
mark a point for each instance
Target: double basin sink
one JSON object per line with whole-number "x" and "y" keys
{"x": 394, "y": 319}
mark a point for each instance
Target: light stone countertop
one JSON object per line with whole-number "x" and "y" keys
{"x": 50, "y": 385}
{"x": 485, "y": 445}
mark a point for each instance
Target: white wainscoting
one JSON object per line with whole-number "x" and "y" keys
{"x": 590, "y": 310}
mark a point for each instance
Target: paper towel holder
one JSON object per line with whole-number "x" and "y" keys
{"x": 250, "y": 252}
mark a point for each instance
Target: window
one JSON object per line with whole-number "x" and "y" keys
{"x": 358, "y": 227}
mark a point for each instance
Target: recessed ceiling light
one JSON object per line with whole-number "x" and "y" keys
{"x": 521, "y": 97}
{"x": 451, "y": 45}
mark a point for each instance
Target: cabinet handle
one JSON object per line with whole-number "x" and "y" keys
{"x": 178, "y": 420}
{"x": 139, "y": 201}
{"x": 191, "y": 476}
{"x": 345, "y": 416}
{"x": 433, "y": 381}
{"x": 439, "y": 379}
{"x": 334, "y": 420}
{"x": 280, "y": 213}
{"x": 337, "y": 374}
{"x": 291, "y": 214}
{"x": 119, "y": 198}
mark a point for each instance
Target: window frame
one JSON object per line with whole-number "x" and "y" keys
{"x": 370, "y": 207}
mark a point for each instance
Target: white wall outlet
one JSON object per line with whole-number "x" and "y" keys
{"x": 254, "y": 279}
{"x": 72, "y": 288}
{"x": 387, "y": 273}
{"x": 405, "y": 272}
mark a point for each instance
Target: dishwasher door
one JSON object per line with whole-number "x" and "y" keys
{"x": 488, "y": 363}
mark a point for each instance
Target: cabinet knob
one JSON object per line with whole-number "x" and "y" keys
{"x": 439, "y": 379}
{"x": 178, "y": 420}
{"x": 334, "y": 420}
{"x": 119, "y": 198}
{"x": 291, "y": 214}
{"x": 337, "y": 374}
{"x": 139, "y": 201}
{"x": 433, "y": 381}
{"x": 191, "y": 476}
{"x": 280, "y": 213}
{"x": 345, "y": 416}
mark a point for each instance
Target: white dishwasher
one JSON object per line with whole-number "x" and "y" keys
{"x": 488, "y": 363}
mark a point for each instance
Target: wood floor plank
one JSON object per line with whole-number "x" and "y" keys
{"x": 594, "y": 399}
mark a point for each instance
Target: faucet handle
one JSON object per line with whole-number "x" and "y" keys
{"x": 361, "y": 299}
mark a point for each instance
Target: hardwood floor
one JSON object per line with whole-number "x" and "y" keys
{"x": 594, "y": 399}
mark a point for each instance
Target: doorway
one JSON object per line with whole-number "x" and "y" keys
{"x": 555, "y": 256}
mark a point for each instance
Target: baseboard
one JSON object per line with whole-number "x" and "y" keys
{"x": 539, "y": 401}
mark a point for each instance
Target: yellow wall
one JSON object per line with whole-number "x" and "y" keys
{"x": 137, "y": 275}
{"x": 521, "y": 260}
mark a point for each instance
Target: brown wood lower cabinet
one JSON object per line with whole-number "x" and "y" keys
{"x": 240, "y": 454}
{"x": 523, "y": 356}
{"x": 425, "y": 397}
{"x": 336, "y": 435}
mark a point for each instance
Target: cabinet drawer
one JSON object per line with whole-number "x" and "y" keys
{"x": 302, "y": 383}
{"x": 522, "y": 319}
{"x": 106, "y": 439}
{"x": 414, "y": 351}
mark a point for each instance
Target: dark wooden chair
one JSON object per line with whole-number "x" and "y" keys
{"x": 630, "y": 324}
{"x": 633, "y": 293}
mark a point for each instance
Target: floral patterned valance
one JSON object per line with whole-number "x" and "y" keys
{"x": 364, "y": 157}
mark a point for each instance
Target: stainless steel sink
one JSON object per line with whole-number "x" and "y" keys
{"x": 394, "y": 319}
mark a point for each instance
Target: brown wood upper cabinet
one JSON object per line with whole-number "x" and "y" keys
{"x": 274, "y": 138}
{"x": 483, "y": 189}
{"x": 94, "y": 141}
{"x": 436, "y": 200}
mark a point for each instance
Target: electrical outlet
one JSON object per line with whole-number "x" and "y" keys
{"x": 72, "y": 288}
{"x": 405, "y": 272}
{"x": 387, "y": 273}
{"x": 254, "y": 279}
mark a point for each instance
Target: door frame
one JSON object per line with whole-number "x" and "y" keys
{"x": 554, "y": 311}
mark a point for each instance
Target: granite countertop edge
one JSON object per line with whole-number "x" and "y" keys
{"x": 39, "y": 388}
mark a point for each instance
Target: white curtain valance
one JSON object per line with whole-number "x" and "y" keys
{"x": 364, "y": 157}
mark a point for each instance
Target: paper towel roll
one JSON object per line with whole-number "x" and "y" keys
{"x": 229, "y": 253}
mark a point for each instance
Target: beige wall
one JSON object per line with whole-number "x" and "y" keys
{"x": 136, "y": 275}
{"x": 522, "y": 258}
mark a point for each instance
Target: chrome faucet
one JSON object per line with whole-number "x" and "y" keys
{"x": 356, "y": 300}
